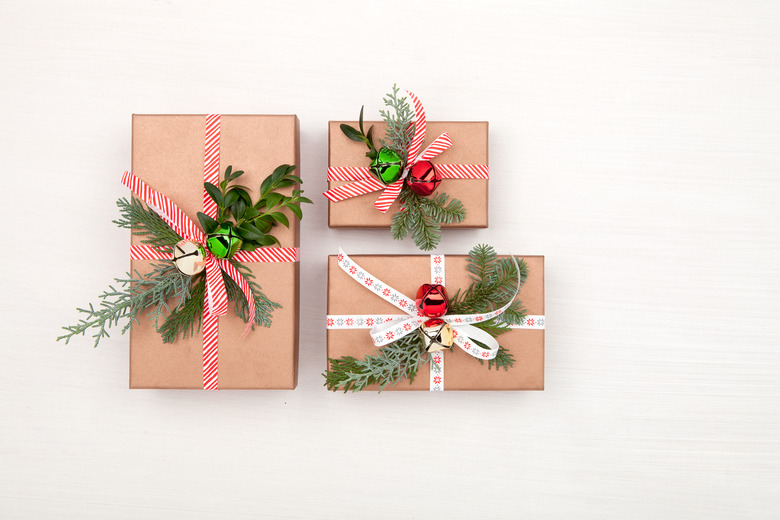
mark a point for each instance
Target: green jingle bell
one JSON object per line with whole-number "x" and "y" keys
{"x": 223, "y": 242}
{"x": 387, "y": 165}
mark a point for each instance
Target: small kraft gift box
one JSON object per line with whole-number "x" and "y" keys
{"x": 421, "y": 176}
{"x": 435, "y": 322}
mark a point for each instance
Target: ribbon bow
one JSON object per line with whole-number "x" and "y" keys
{"x": 363, "y": 182}
{"x": 464, "y": 333}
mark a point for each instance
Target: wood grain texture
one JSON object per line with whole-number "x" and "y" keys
{"x": 640, "y": 141}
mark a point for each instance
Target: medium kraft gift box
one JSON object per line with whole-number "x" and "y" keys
{"x": 470, "y": 146}
{"x": 406, "y": 273}
{"x": 168, "y": 154}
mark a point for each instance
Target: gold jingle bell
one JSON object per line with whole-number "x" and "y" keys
{"x": 437, "y": 335}
{"x": 189, "y": 257}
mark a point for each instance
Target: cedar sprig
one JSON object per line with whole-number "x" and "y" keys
{"x": 392, "y": 363}
{"x": 399, "y": 121}
{"x": 187, "y": 318}
{"x": 135, "y": 294}
{"x": 423, "y": 217}
{"x": 146, "y": 223}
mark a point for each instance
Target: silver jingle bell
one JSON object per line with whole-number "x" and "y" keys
{"x": 189, "y": 257}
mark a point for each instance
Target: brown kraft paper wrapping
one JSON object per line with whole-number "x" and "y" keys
{"x": 461, "y": 371}
{"x": 168, "y": 155}
{"x": 470, "y": 146}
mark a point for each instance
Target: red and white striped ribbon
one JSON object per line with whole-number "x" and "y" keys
{"x": 388, "y": 328}
{"x": 362, "y": 182}
{"x": 211, "y": 161}
{"x": 215, "y": 303}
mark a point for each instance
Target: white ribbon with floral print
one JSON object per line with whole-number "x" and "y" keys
{"x": 388, "y": 328}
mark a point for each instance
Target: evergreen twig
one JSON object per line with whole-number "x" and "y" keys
{"x": 400, "y": 123}
{"x": 145, "y": 222}
{"x": 392, "y": 363}
{"x": 423, "y": 217}
{"x": 137, "y": 293}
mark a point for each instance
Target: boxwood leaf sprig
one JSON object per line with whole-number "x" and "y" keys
{"x": 253, "y": 221}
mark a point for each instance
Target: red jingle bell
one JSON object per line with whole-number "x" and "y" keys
{"x": 423, "y": 179}
{"x": 432, "y": 300}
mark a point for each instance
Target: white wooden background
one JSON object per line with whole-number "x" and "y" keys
{"x": 635, "y": 144}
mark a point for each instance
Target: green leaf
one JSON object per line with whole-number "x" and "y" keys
{"x": 272, "y": 200}
{"x": 296, "y": 210}
{"x": 238, "y": 209}
{"x": 251, "y": 212}
{"x": 263, "y": 225}
{"x": 268, "y": 240}
{"x": 279, "y": 172}
{"x": 352, "y": 133}
{"x": 280, "y": 218}
{"x": 370, "y": 137}
{"x": 231, "y": 198}
{"x": 361, "y": 120}
{"x": 248, "y": 246}
{"x": 214, "y": 193}
{"x": 248, "y": 232}
{"x": 208, "y": 223}
{"x": 242, "y": 193}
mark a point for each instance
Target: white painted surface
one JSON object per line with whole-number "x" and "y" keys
{"x": 636, "y": 144}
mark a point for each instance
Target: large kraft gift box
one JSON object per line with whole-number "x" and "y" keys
{"x": 168, "y": 154}
{"x": 406, "y": 273}
{"x": 470, "y": 146}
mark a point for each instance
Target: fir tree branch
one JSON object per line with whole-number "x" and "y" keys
{"x": 392, "y": 363}
{"x": 504, "y": 359}
{"x": 138, "y": 293}
{"x": 423, "y": 216}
